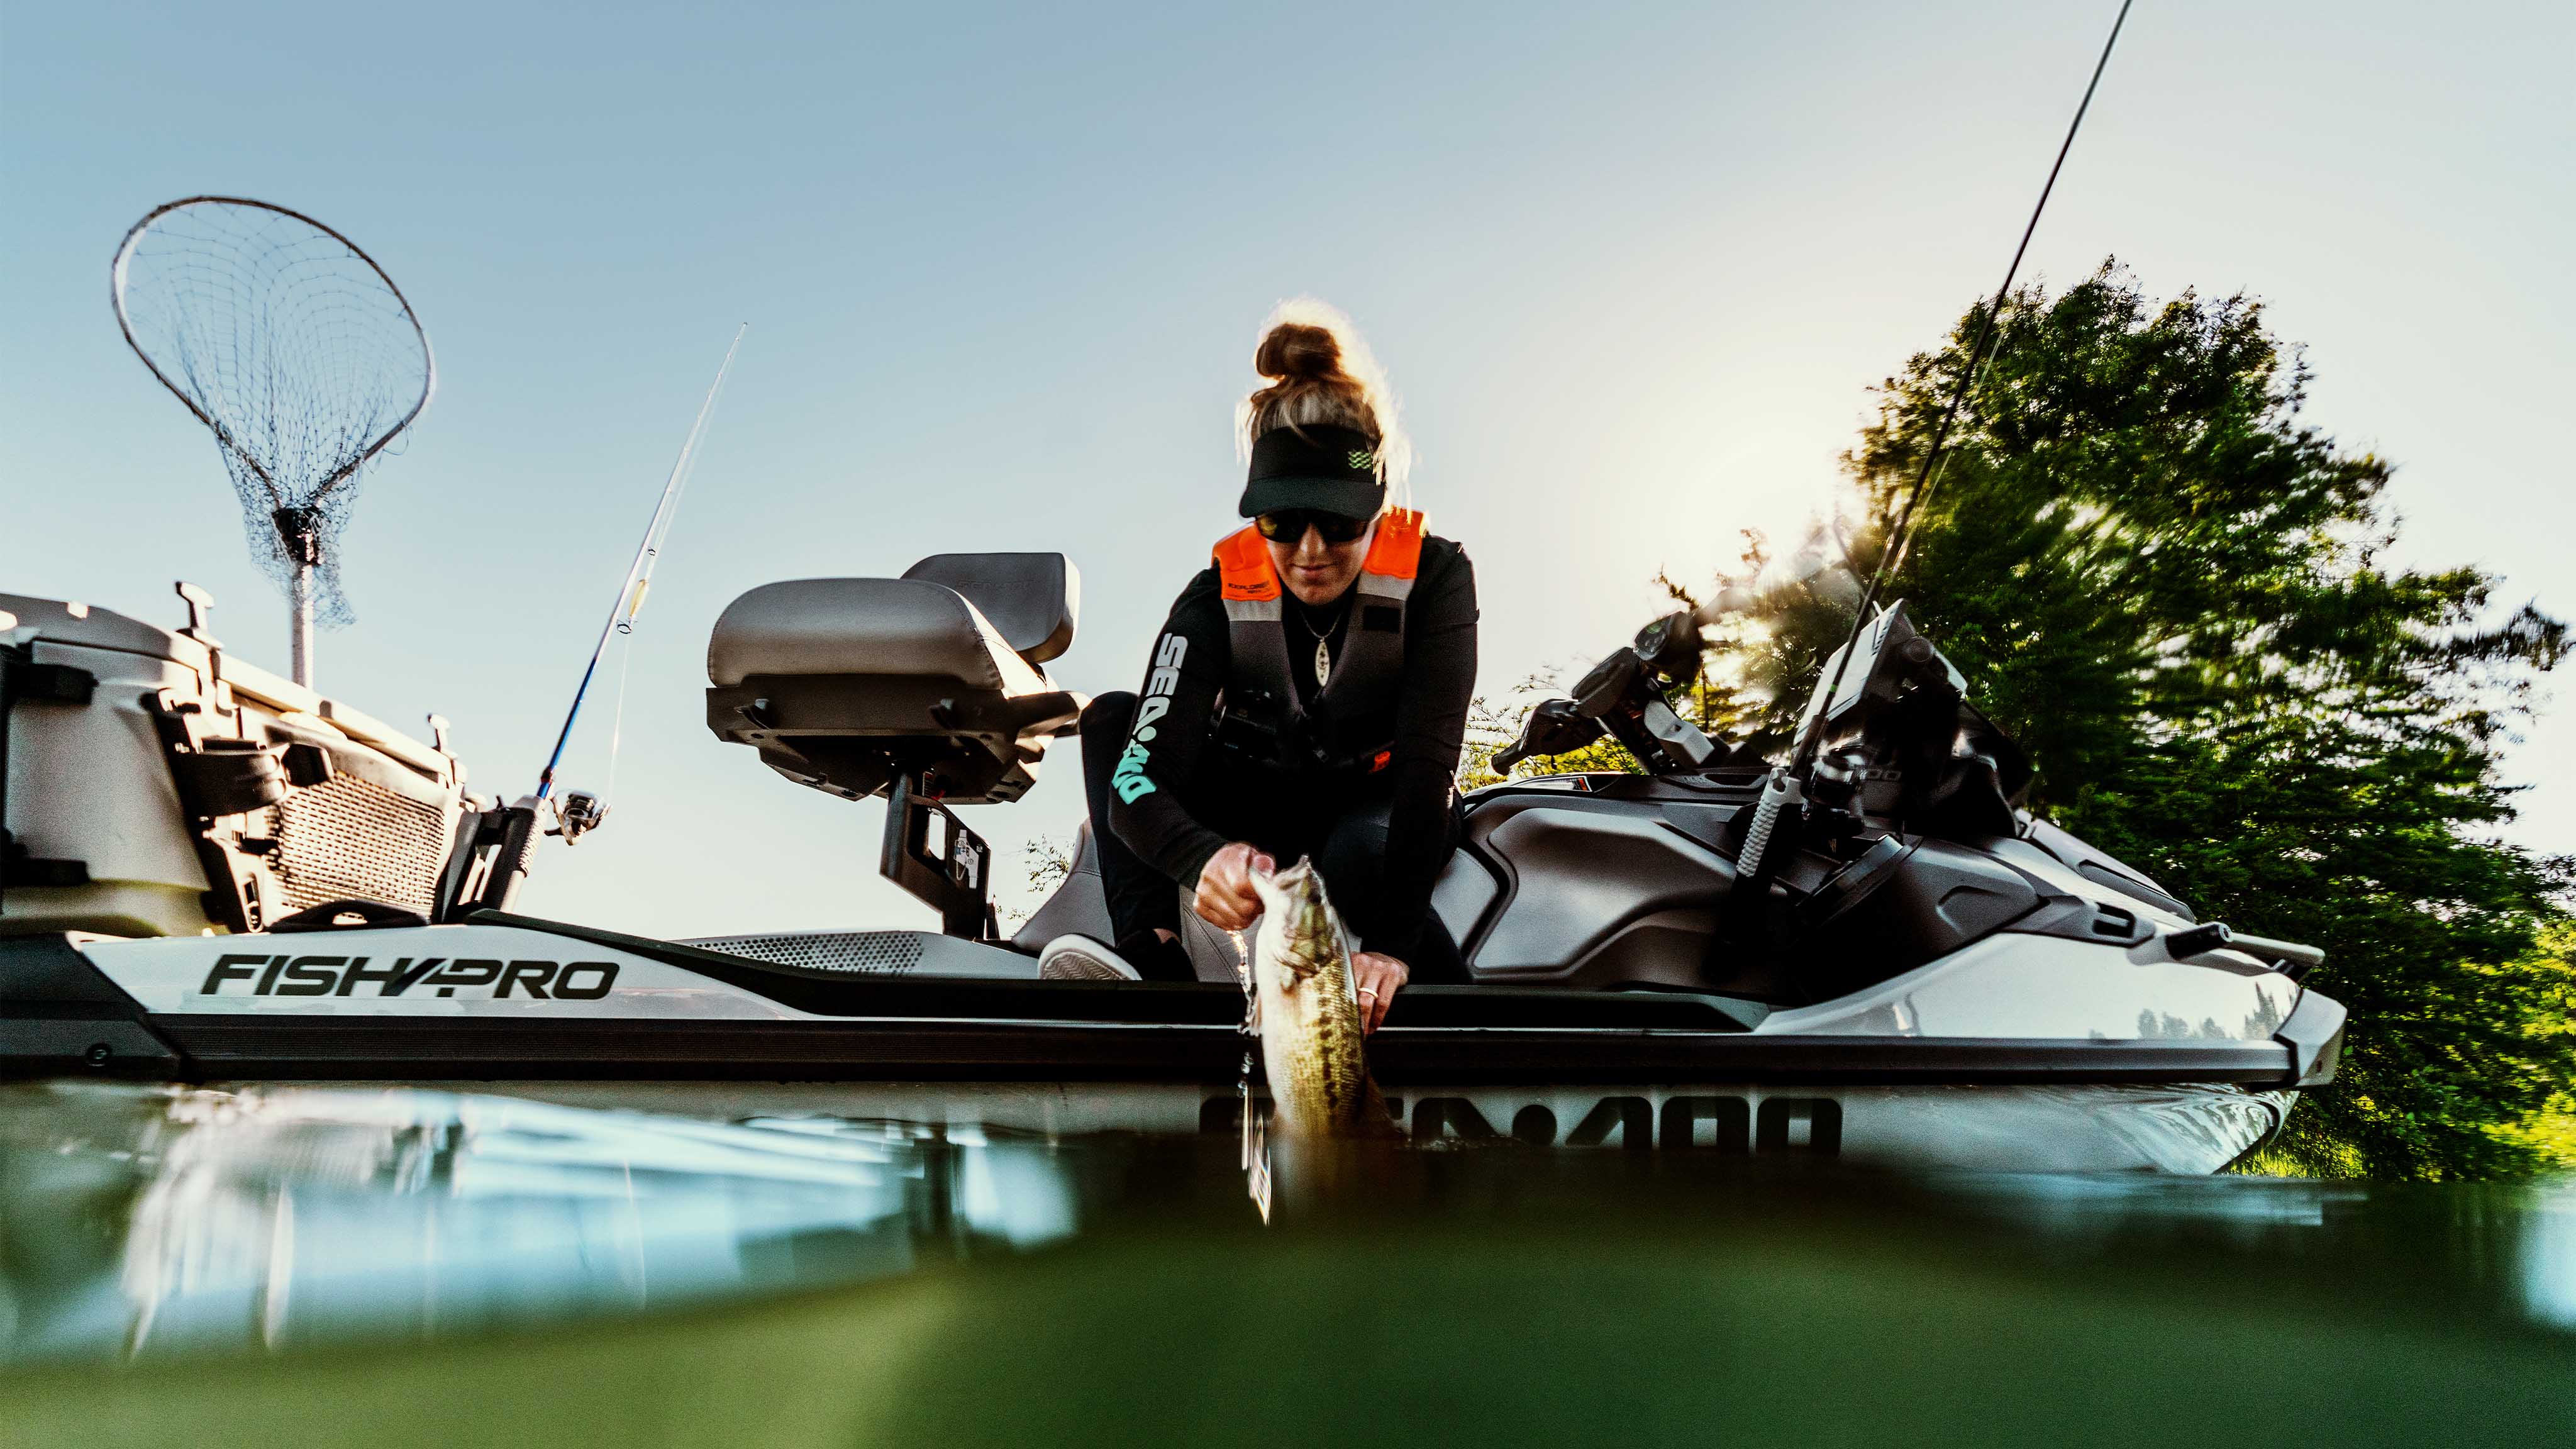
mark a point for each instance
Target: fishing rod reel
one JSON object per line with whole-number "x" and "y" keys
{"x": 496, "y": 847}
{"x": 577, "y": 813}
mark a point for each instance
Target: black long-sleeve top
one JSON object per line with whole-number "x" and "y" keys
{"x": 1439, "y": 676}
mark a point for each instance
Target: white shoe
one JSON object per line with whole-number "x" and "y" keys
{"x": 1080, "y": 958}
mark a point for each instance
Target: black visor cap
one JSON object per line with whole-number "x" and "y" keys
{"x": 1331, "y": 470}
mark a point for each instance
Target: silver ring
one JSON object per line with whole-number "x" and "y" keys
{"x": 1369, "y": 991}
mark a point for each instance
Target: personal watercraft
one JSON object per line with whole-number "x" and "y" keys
{"x": 1880, "y": 958}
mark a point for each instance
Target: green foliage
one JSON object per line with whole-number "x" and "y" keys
{"x": 2173, "y": 593}
{"x": 2549, "y": 1134}
{"x": 1045, "y": 864}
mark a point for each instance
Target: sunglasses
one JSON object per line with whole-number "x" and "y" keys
{"x": 1290, "y": 524}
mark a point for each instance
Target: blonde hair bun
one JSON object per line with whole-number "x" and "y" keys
{"x": 1302, "y": 351}
{"x": 1320, "y": 374}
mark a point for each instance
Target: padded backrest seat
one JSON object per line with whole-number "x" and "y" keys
{"x": 1031, "y": 599}
{"x": 865, "y": 627}
{"x": 848, "y": 684}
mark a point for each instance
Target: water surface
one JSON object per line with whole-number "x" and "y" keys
{"x": 279, "y": 1265}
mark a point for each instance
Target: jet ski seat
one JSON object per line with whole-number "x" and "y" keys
{"x": 847, "y": 685}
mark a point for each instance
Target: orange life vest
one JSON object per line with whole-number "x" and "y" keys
{"x": 1348, "y": 723}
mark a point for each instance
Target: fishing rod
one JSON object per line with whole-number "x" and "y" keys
{"x": 639, "y": 574}
{"x": 1811, "y": 739}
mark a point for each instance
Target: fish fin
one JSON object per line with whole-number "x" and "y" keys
{"x": 1374, "y": 1119}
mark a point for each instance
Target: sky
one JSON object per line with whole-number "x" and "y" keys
{"x": 1633, "y": 270}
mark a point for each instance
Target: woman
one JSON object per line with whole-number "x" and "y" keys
{"x": 1307, "y": 696}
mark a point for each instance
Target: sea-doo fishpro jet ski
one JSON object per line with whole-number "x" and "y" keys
{"x": 1882, "y": 959}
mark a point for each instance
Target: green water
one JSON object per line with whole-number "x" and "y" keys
{"x": 395, "y": 1267}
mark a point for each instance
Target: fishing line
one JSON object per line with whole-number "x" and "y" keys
{"x": 617, "y": 716}
{"x": 1902, "y": 537}
{"x": 626, "y": 626}
{"x": 639, "y": 574}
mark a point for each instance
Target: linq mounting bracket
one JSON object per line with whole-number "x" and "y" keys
{"x": 954, "y": 878}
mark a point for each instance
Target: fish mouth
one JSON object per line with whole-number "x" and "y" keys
{"x": 1302, "y": 915}
{"x": 1290, "y": 877}
{"x": 1309, "y": 923}
{"x": 1288, "y": 888}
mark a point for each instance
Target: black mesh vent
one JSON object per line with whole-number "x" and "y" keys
{"x": 873, "y": 953}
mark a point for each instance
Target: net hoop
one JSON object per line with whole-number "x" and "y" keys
{"x": 223, "y": 435}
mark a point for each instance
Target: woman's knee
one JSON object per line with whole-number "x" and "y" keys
{"x": 1105, "y": 722}
{"x": 1109, "y": 714}
{"x": 1357, "y": 841}
{"x": 1352, "y": 858}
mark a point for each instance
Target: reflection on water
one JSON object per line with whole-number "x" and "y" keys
{"x": 151, "y": 1221}
{"x": 154, "y": 1222}
{"x": 2548, "y": 1260}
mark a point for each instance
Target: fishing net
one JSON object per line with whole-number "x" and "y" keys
{"x": 295, "y": 349}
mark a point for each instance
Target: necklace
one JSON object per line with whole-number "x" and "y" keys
{"x": 1323, "y": 649}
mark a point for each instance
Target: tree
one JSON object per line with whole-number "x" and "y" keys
{"x": 2174, "y": 593}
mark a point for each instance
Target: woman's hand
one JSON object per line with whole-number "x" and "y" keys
{"x": 1225, "y": 898}
{"x": 1376, "y": 978}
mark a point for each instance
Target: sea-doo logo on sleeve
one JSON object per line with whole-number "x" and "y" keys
{"x": 264, "y": 975}
{"x": 1129, "y": 778}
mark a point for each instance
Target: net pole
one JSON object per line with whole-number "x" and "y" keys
{"x": 301, "y": 646}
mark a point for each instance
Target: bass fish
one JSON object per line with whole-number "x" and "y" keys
{"x": 1309, "y": 1015}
